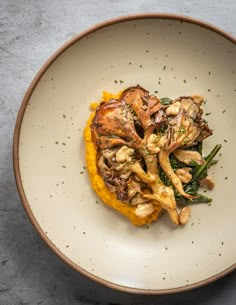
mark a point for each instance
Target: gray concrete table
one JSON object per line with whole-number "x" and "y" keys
{"x": 30, "y": 31}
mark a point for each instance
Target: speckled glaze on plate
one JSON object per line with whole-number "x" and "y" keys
{"x": 166, "y": 54}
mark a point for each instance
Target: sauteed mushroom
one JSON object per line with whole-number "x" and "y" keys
{"x": 137, "y": 138}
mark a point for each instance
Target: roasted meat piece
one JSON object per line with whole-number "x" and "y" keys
{"x": 113, "y": 125}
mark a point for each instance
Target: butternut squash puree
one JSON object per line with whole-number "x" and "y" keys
{"x": 97, "y": 182}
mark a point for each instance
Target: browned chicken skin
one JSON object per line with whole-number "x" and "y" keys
{"x": 131, "y": 143}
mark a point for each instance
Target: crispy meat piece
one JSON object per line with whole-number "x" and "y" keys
{"x": 114, "y": 121}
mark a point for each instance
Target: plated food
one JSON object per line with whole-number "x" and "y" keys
{"x": 144, "y": 154}
{"x": 170, "y": 54}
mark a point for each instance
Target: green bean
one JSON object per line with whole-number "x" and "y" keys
{"x": 198, "y": 173}
{"x": 192, "y": 187}
{"x": 213, "y": 162}
{"x": 199, "y": 199}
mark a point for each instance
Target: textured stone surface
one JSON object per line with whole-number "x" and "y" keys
{"x": 30, "y": 31}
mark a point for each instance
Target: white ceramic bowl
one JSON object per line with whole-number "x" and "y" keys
{"x": 169, "y": 54}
